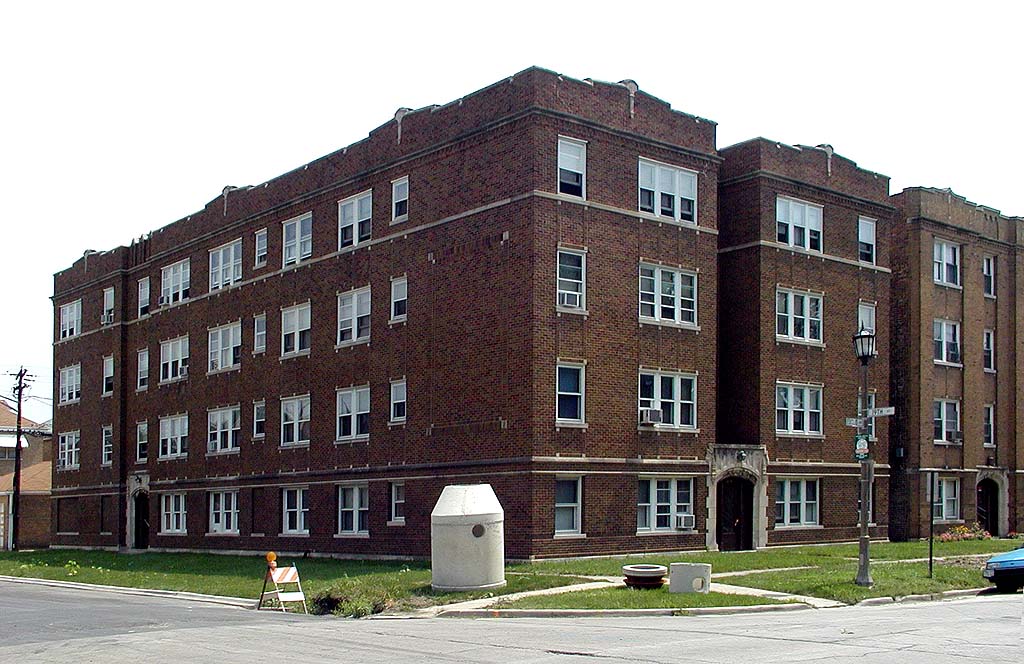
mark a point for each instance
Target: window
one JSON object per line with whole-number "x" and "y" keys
{"x": 988, "y": 347}
{"x": 946, "y": 422}
{"x": 354, "y": 316}
{"x": 798, "y": 223}
{"x": 70, "y": 383}
{"x": 988, "y": 271}
{"x": 946, "y": 501}
{"x": 225, "y": 348}
{"x": 295, "y": 323}
{"x": 397, "y": 513}
{"x": 667, "y": 191}
{"x": 399, "y": 299}
{"x": 946, "y": 263}
{"x": 796, "y": 503}
{"x": 668, "y": 295}
{"x": 224, "y": 427}
{"x": 989, "y": 426}
{"x": 174, "y": 283}
{"x": 261, "y": 248}
{"x": 108, "y": 376}
{"x": 172, "y": 513}
{"x": 869, "y": 422}
{"x": 174, "y": 436}
{"x": 569, "y": 393}
{"x": 259, "y": 333}
{"x": 71, "y": 319}
{"x": 354, "y": 510}
{"x": 143, "y": 296}
{"x": 866, "y": 239}
{"x": 67, "y": 450}
{"x": 572, "y": 167}
{"x": 866, "y": 316}
{"x": 798, "y": 316}
{"x": 567, "y": 506}
{"x": 107, "y": 450}
{"x": 259, "y": 419}
{"x": 398, "y": 398}
{"x": 797, "y": 409}
{"x": 572, "y": 279}
{"x": 946, "y": 347}
{"x": 355, "y": 219}
{"x": 142, "y": 441}
{"x": 226, "y": 265}
{"x": 295, "y": 510}
{"x": 295, "y": 421}
{"x": 224, "y": 512}
{"x": 400, "y": 199}
{"x": 353, "y": 413}
{"x": 174, "y": 359}
{"x": 108, "y": 306}
{"x": 673, "y": 394}
{"x": 298, "y": 239}
{"x": 142, "y": 378}
{"x": 660, "y": 501}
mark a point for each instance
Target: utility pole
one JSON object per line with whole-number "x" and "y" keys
{"x": 18, "y": 390}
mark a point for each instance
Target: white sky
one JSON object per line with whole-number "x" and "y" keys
{"x": 118, "y": 118}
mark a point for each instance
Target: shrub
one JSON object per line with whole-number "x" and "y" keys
{"x": 347, "y": 602}
{"x": 962, "y": 533}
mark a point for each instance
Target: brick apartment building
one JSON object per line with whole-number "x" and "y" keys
{"x": 958, "y": 324}
{"x": 803, "y": 265}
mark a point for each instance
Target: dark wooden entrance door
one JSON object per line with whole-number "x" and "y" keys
{"x": 142, "y": 520}
{"x": 735, "y": 531}
{"x": 988, "y": 505}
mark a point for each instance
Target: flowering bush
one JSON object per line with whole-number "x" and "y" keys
{"x": 962, "y": 533}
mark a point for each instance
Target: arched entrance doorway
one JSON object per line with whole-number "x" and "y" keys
{"x": 988, "y": 505}
{"x": 735, "y": 503}
{"x": 141, "y": 526}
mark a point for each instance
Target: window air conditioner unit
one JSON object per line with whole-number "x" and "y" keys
{"x": 183, "y": 372}
{"x": 213, "y": 365}
{"x": 650, "y": 416}
{"x": 958, "y": 437}
{"x": 107, "y": 318}
{"x": 164, "y": 301}
{"x": 685, "y": 522}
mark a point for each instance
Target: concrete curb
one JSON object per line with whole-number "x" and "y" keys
{"x": 618, "y": 613}
{"x": 930, "y": 597}
{"x": 238, "y": 602}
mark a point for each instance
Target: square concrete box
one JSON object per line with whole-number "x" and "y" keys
{"x": 689, "y": 578}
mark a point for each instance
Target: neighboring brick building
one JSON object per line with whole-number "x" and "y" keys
{"x": 803, "y": 264}
{"x": 958, "y": 324}
{"x": 395, "y": 317}
{"x": 36, "y": 474}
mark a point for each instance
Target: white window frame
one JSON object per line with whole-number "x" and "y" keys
{"x": 143, "y": 305}
{"x": 259, "y": 416}
{"x": 173, "y": 437}
{"x": 950, "y": 351}
{"x": 678, "y": 407}
{"x": 399, "y": 398}
{"x": 809, "y": 509}
{"x": 988, "y": 425}
{"x": 677, "y": 502}
{"x": 300, "y": 246}
{"x": 142, "y": 369}
{"x": 300, "y": 511}
{"x": 259, "y": 334}
{"x": 295, "y": 412}
{"x": 988, "y": 275}
{"x": 354, "y": 309}
{"x": 226, "y": 264}
{"x": 948, "y": 421}
{"x": 576, "y": 506}
{"x": 141, "y": 442}
{"x": 806, "y": 301}
{"x": 571, "y": 292}
{"x": 173, "y": 514}
{"x": 946, "y": 255}
{"x": 71, "y": 319}
{"x": 946, "y": 502}
{"x": 399, "y": 296}
{"x": 108, "y": 305}
{"x": 174, "y": 359}
{"x": 354, "y": 502}
{"x": 572, "y": 163}
{"x": 666, "y": 182}
{"x": 799, "y": 217}
{"x": 353, "y": 407}
{"x": 70, "y": 384}
{"x": 224, "y": 347}
{"x": 399, "y": 194}
{"x": 866, "y": 236}
{"x": 866, "y": 316}
{"x": 355, "y": 214}
{"x": 223, "y": 429}
{"x": 295, "y": 321}
{"x": 108, "y": 375}
{"x": 175, "y": 282}
{"x": 223, "y": 512}
{"x": 654, "y": 301}
{"x": 988, "y": 351}
{"x": 260, "y": 248}
{"x": 805, "y": 412}
{"x": 106, "y": 445}
{"x": 396, "y": 492}
{"x": 581, "y": 396}
{"x": 69, "y": 446}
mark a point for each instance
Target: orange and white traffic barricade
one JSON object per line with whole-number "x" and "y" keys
{"x": 287, "y": 585}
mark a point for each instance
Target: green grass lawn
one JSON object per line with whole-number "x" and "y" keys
{"x": 628, "y": 598}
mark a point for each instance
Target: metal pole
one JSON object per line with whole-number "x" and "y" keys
{"x": 863, "y": 557}
{"x": 931, "y": 519}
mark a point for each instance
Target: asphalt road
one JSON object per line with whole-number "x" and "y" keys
{"x": 43, "y": 624}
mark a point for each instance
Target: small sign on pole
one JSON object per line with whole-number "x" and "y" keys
{"x": 855, "y": 422}
{"x": 882, "y": 412}
{"x": 860, "y": 446}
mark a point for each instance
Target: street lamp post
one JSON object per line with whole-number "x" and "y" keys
{"x": 864, "y": 347}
